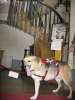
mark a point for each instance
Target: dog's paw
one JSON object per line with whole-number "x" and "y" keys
{"x": 69, "y": 97}
{"x": 33, "y": 98}
{"x": 54, "y": 91}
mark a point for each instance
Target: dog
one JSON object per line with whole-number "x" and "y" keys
{"x": 47, "y": 69}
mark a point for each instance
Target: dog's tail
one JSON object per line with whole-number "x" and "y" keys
{"x": 66, "y": 73}
{"x": 69, "y": 74}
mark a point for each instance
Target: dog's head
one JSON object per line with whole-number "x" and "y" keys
{"x": 33, "y": 64}
{"x": 29, "y": 62}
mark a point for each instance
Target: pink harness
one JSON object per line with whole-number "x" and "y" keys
{"x": 45, "y": 61}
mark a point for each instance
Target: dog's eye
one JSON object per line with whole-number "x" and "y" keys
{"x": 29, "y": 61}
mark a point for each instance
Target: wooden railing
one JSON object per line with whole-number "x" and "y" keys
{"x": 34, "y": 18}
{"x": 29, "y": 15}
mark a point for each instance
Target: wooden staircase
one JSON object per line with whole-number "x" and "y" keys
{"x": 37, "y": 19}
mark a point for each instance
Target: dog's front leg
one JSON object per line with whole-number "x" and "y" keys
{"x": 37, "y": 85}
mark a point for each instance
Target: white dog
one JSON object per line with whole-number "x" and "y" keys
{"x": 40, "y": 69}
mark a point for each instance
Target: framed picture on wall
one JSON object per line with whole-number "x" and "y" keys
{"x": 56, "y": 44}
{"x": 58, "y": 32}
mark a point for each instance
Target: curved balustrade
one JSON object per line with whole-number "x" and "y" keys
{"x": 31, "y": 16}
{"x": 37, "y": 19}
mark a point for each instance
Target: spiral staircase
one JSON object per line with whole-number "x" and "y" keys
{"x": 36, "y": 18}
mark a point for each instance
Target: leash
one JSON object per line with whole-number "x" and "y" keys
{"x": 2, "y": 67}
{"x": 43, "y": 77}
{"x": 24, "y": 72}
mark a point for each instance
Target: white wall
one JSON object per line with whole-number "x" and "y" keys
{"x": 72, "y": 20}
{"x": 14, "y": 41}
{"x": 72, "y": 30}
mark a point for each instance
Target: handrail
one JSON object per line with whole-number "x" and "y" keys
{"x": 25, "y": 15}
{"x": 53, "y": 9}
{"x": 30, "y": 13}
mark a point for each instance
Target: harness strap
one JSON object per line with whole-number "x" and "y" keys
{"x": 44, "y": 75}
{"x": 57, "y": 71}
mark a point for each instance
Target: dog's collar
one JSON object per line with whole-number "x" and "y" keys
{"x": 50, "y": 61}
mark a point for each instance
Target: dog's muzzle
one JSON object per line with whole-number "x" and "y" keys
{"x": 27, "y": 67}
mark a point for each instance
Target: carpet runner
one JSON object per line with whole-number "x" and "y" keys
{"x": 12, "y": 96}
